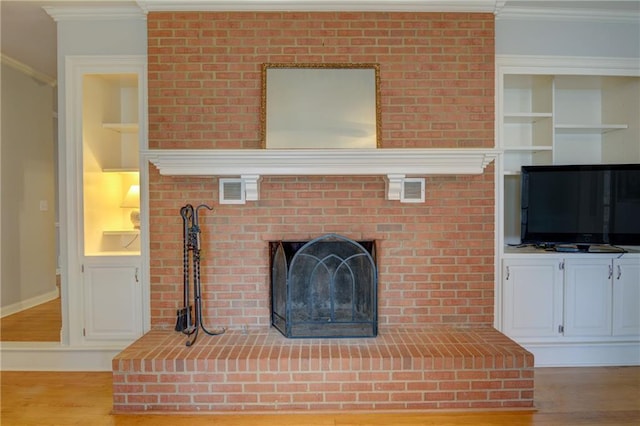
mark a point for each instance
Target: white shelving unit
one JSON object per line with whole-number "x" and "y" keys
{"x": 111, "y": 160}
{"x": 107, "y": 292}
{"x": 553, "y": 118}
{"x": 559, "y": 111}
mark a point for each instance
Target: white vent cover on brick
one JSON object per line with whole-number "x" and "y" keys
{"x": 239, "y": 190}
{"x": 412, "y": 190}
{"x": 232, "y": 191}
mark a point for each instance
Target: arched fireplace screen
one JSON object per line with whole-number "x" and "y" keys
{"x": 326, "y": 287}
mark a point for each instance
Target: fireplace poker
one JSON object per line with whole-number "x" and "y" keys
{"x": 191, "y": 276}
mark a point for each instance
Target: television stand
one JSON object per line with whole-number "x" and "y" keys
{"x": 573, "y": 308}
{"x": 587, "y": 248}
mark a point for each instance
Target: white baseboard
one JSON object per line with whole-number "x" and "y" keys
{"x": 584, "y": 354}
{"x": 24, "y": 356}
{"x": 28, "y": 303}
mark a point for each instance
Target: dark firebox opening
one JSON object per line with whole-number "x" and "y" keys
{"x": 326, "y": 287}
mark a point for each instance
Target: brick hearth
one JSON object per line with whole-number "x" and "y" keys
{"x": 260, "y": 370}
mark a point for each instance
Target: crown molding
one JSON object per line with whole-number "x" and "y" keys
{"x": 486, "y": 6}
{"x": 501, "y": 8}
{"x": 566, "y": 14}
{"x": 103, "y": 12}
{"x": 27, "y": 70}
{"x": 577, "y": 65}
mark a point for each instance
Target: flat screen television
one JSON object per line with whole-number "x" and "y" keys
{"x": 580, "y": 204}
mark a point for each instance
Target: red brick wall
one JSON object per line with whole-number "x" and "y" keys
{"x": 437, "y": 90}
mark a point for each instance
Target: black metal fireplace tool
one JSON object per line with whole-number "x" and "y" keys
{"x": 191, "y": 277}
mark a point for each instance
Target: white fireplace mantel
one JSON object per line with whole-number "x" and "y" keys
{"x": 486, "y": 6}
{"x": 250, "y": 164}
{"x": 297, "y": 162}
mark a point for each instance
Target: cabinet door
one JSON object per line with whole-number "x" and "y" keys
{"x": 626, "y": 297}
{"x": 532, "y": 292}
{"x": 587, "y": 297}
{"x": 113, "y": 299}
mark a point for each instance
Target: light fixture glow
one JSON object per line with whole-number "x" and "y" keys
{"x": 132, "y": 201}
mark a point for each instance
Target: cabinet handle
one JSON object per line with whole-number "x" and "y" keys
{"x": 136, "y": 275}
{"x": 619, "y": 272}
{"x": 508, "y": 273}
{"x": 610, "y": 271}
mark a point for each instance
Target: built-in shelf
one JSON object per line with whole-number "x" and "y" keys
{"x": 531, "y": 148}
{"x": 121, "y": 127}
{"x": 121, "y": 232}
{"x": 120, "y": 170}
{"x": 526, "y": 117}
{"x": 589, "y": 128}
{"x": 299, "y": 162}
{"x": 113, "y": 254}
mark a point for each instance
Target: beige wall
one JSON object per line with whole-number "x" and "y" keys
{"x": 27, "y": 180}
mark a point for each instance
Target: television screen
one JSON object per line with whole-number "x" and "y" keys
{"x": 625, "y": 206}
{"x": 580, "y": 204}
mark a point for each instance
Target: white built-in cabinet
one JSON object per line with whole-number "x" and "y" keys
{"x": 112, "y": 298}
{"x": 532, "y": 295}
{"x": 626, "y": 297}
{"x": 106, "y": 279}
{"x": 588, "y": 295}
{"x": 575, "y": 309}
{"x": 549, "y": 296}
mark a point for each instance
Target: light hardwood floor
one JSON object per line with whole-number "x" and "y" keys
{"x": 41, "y": 323}
{"x": 564, "y": 396}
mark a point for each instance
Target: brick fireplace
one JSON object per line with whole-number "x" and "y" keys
{"x": 436, "y": 346}
{"x": 437, "y": 91}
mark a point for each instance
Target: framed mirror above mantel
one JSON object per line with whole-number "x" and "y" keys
{"x": 321, "y": 106}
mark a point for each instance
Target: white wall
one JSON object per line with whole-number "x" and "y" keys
{"x": 27, "y": 179}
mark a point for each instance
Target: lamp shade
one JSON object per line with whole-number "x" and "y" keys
{"x": 132, "y": 199}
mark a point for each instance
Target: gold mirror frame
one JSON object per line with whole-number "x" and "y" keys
{"x": 320, "y": 106}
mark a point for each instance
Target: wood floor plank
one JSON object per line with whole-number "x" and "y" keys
{"x": 564, "y": 396}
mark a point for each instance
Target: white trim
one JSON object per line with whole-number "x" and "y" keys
{"x": 584, "y": 354}
{"x": 487, "y": 6}
{"x": 108, "y": 12}
{"x": 27, "y": 70}
{"x": 30, "y": 356}
{"x": 568, "y": 14}
{"x": 575, "y": 65}
{"x": 393, "y": 187}
{"x": 251, "y": 187}
{"x": 29, "y": 303}
{"x": 304, "y": 162}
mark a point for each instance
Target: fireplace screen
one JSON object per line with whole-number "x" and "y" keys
{"x": 326, "y": 287}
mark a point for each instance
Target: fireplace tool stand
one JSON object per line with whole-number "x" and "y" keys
{"x": 191, "y": 277}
